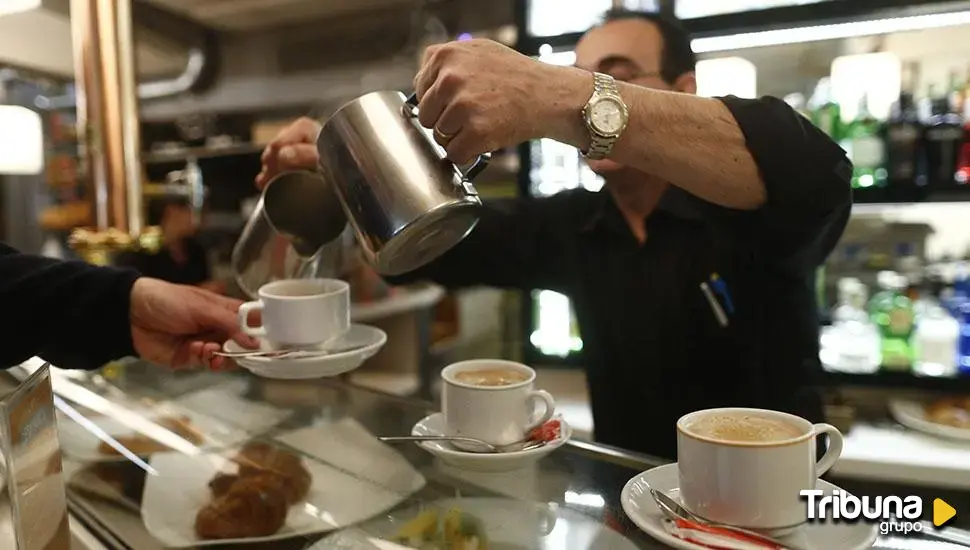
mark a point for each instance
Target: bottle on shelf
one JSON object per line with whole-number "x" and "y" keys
{"x": 942, "y": 138}
{"x": 963, "y": 162}
{"x": 904, "y": 133}
{"x": 852, "y": 342}
{"x": 954, "y": 94}
{"x": 936, "y": 342}
{"x": 893, "y": 314}
{"x": 823, "y": 111}
{"x": 862, "y": 140}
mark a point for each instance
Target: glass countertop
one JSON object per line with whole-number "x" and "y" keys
{"x": 149, "y": 455}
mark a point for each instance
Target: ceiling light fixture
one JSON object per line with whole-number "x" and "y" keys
{"x": 830, "y": 32}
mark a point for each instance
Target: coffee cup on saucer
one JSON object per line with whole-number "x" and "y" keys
{"x": 746, "y": 467}
{"x": 299, "y": 313}
{"x": 492, "y": 400}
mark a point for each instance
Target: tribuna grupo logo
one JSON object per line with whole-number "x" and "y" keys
{"x": 894, "y": 514}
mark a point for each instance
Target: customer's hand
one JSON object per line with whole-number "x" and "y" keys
{"x": 295, "y": 148}
{"x": 481, "y": 96}
{"x": 181, "y": 326}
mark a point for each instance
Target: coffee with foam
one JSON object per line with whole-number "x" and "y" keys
{"x": 743, "y": 428}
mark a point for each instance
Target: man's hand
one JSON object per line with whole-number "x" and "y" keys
{"x": 481, "y": 96}
{"x": 181, "y": 326}
{"x": 295, "y": 148}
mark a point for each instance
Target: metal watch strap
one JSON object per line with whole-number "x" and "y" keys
{"x": 601, "y": 146}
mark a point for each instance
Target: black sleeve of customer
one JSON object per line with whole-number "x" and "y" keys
{"x": 72, "y": 314}
{"x": 517, "y": 244}
{"x": 807, "y": 180}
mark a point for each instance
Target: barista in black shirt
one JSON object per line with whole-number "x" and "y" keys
{"x": 182, "y": 258}
{"x": 743, "y": 198}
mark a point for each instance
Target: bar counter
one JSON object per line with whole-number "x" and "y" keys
{"x": 570, "y": 499}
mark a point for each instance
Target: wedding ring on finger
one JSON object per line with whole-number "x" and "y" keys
{"x": 442, "y": 138}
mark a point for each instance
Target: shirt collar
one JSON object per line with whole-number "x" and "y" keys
{"x": 675, "y": 202}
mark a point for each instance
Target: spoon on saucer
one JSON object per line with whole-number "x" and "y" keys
{"x": 516, "y": 447}
{"x": 673, "y": 510}
{"x": 283, "y": 353}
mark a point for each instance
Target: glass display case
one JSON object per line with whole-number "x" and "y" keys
{"x": 159, "y": 459}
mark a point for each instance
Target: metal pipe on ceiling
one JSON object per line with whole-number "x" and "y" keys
{"x": 201, "y": 64}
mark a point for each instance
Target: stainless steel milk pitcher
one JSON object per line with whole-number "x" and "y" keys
{"x": 407, "y": 203}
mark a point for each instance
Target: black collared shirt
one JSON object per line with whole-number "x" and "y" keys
{"x": 653, "y": 346}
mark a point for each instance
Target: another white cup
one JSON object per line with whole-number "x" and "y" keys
{"x": 752, "y": 484}
{"x": 499, "y": 415}
{"x": 299, "y": 312}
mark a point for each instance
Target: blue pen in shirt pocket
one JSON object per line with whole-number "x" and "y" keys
{"x": 716, "y": 285}
{"x": 721, "y": 288}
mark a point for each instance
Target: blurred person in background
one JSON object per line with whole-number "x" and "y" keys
{"x": 182, "y": 258}
{"x": 743, "y": 197}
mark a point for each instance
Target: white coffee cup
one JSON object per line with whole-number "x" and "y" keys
{"x": 497, "y": 414}
{"x": 746, "y": 478}
{"x": 299, "y": 312}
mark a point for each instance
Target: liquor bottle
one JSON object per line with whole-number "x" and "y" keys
{"x": 892, "y": 312}
{"x": 963, "y": 163}
{"x": 862, "y": 140}
{"x": 824, "y": 112}
{"x": 954, "y": 93}
{"x": 942, "y": 137}
{"x": 936, "y": 342}
{"x": 904, "y": 134}
{"x": 853, "y": 342}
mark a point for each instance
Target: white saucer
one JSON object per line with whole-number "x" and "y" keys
{"x": 366, "y": 341}
{"x": 642, "y": 511}
{"x": 483, "y": 462}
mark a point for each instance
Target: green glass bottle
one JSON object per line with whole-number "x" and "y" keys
{"x": 862, "y": 141}
{"x": 894, "y": 315}
{"x": 823, "y": 111}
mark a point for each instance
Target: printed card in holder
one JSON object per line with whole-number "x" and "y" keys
{"x": 32, "y": 462}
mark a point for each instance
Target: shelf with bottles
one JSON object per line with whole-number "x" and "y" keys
{"x": 920, "y": 153}
{"x": 915, "y": 326}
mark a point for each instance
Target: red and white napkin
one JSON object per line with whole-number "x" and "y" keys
{"x": 714, "y": 537}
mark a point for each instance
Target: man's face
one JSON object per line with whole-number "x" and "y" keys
{"x": 629, "y": 50}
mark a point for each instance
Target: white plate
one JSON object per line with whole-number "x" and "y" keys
{"x": 912, "y": 415}
{"x": 179, "y": 488}
{"x": 366, "y": 340}
{"x": 483, "y": 462}
{"x": 642, "y": 511}
{"x": 508, "y": 524}
{"x": 81, "y": 443}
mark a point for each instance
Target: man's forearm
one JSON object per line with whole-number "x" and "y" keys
{"x": 73, "y": 314}
{"x": 689, "y": 141}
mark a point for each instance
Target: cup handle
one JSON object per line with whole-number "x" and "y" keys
{"x": 835, "y": 447}
{"x": 244, "y": 311}
{"x": 480, "y": 164}
{"x": 548, "y": 404}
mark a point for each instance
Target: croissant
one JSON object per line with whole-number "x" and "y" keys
{"x": 251, "y": 508}
{"x": 261, "y": 460}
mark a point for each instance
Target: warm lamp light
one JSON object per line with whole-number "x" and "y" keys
{"x": 21, "y": 141}
{"x": 727, "y": 76}
{"x": 8, "y": 7}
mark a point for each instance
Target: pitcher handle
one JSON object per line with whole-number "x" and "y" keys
{"x": 480, "y": 164}
{"x": 411, "y": 105}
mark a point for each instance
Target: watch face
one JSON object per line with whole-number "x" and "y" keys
{"x": 606, "y": 116}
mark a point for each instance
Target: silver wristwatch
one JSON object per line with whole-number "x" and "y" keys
{"x": 605, "y": 116}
